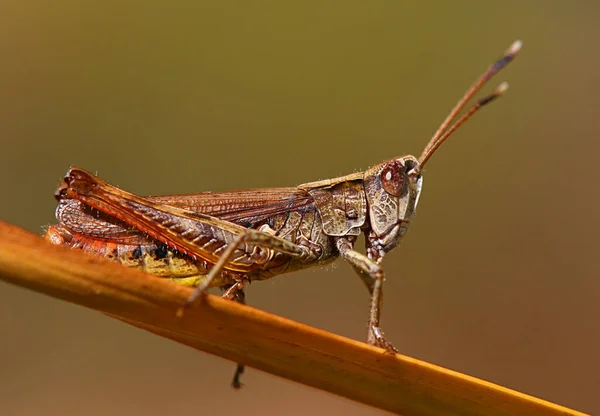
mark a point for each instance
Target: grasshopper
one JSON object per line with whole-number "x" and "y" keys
{"x": 227, "y": 239}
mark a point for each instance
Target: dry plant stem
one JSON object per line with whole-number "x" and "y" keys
{"x": 258, "y": 339}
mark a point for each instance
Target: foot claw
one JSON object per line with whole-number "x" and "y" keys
{"x": 197, "y": 296}
{"x": 236, "y": 383}
{"x": 381, "y": 342}
{"x": 389, "y": 348}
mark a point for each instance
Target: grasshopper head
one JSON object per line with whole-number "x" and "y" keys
{"x": 392, "y": 189}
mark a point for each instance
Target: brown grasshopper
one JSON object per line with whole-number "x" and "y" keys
{"x": 227, "y": 239}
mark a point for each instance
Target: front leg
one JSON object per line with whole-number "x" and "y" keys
{"x": 372, "y": 275}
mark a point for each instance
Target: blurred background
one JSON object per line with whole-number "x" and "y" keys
{"x": 498, "y": 276}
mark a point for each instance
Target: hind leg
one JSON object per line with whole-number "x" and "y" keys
{"x": 235, "y": 292}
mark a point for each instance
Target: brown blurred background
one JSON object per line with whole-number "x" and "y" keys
{"x": 497, "y": 277}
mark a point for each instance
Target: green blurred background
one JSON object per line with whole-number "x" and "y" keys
{"x": 498, "y": 276}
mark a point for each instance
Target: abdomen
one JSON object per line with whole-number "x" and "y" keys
{"x": 154, "y": 259}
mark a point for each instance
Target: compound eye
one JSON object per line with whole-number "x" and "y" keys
{"x": 392, "y": 178}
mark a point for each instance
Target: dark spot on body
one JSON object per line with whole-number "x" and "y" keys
{"x": 114, "y": 253}
{"x": 137, "y": 253}
{"x": 161, "y": 251}
{"x": 245, "y": 223}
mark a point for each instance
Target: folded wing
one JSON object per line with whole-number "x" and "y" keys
{"x": 246, "y": 207}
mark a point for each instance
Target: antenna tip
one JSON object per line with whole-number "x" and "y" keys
{"x": 501, "y": 89}
{"x": 514, "y": 48}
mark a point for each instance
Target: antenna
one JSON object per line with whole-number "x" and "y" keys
{"x": 443, "y": 132}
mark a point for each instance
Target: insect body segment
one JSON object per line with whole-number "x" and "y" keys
{"x": 146, "y": 255}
